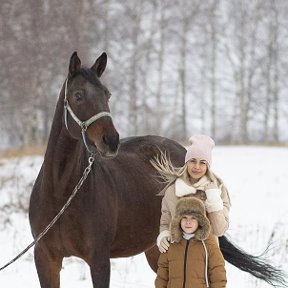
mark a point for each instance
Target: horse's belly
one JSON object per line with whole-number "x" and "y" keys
{"x": 137, "y": 234}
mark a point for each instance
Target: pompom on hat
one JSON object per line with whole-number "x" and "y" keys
{"x": 200, "y": 148}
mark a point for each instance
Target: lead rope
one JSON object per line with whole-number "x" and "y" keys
{"x": 50, "y": 225}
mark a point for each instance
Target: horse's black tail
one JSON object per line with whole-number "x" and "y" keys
{"x": 255, "y": 265}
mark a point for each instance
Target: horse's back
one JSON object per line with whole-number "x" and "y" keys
{"x": 149, "y": 146}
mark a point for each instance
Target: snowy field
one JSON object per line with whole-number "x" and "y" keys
{"x": 257, "y": 179}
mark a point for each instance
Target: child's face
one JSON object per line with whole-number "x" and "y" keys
{"x": 189, "y": 224}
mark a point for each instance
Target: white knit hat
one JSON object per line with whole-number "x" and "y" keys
{"x": 200, "y": 148}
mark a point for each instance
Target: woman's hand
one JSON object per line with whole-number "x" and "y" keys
{"x": 214, "y": 201}
{"x": 163, "y": 241}
{"x": 164, "y": 244}
{"x": 211, "y": 185}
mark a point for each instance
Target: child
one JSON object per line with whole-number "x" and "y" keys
{"x": 195, "y": 178}
{"x": 194, "y": 259}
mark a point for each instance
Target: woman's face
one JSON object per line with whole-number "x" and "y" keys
{"x": 189, "y": 224}
{"x": 196, "y": 168}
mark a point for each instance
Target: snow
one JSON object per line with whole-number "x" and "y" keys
{"x": 256, "y": 178}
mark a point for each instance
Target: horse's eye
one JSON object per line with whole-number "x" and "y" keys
{"x": 78, "y": 96}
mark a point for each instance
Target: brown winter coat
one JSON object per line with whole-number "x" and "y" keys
{"x": 219, "y": 220}
{"x": 171, "y": 273}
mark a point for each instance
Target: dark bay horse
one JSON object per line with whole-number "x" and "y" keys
{"x": 116, "y": 211}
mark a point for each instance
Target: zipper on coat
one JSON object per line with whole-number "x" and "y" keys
{"x": 185, "y": 263}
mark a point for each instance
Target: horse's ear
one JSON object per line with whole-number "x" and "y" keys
{"x": 74, "y": 65}
{"x": 100, "y": 64}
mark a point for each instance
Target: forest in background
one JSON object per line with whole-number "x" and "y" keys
{"x": 174, "y": 67}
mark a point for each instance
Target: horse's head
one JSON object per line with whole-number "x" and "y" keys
{"x": 86, "y": 109}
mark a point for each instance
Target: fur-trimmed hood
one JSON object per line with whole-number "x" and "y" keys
{"x": 194, "y": 207}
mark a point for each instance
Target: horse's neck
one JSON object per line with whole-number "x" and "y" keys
{"x": 65, "y": 157}
{"x": 62, "y": 153}
{"x": 61, "y": 158}
{"x": 56, "y": 129}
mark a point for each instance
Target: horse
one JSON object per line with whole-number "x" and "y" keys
{"x": 116, "y": 210}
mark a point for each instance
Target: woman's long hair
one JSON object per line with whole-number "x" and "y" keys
{"x": 168, "y": 173}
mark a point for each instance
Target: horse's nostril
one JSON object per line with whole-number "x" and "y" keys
{"x": 112, "y": 142}
{"x": 106, "y": 140}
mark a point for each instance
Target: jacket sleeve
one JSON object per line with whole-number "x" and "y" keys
{"x": 216, "y": 266}
{"x": 220, "y": 219}
{"x": 165, "y": 219}
{"x": 162, "y": 272}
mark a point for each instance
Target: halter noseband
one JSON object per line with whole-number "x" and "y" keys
{"x": 83, "y": 124}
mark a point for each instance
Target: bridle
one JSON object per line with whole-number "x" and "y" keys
{"x": 83, "y": 124}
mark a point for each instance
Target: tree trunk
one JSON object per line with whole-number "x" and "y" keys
{"x": 276, "y": 104}
{"x": 213, "y": 67}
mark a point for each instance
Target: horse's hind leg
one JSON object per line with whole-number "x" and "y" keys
{"x": 48, "y": 268}
{"x": 152, "y": 255}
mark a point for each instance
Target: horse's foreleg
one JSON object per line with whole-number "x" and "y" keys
{"x": 48, "y": 268}
{"x": 100, "y": 271}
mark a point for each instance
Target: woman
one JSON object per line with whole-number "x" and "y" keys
{"x": 196, "y": 179}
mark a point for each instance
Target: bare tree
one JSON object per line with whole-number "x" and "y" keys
{"x": 188, "y": 14}
{"x": 271, "y": 101}
{"x": 275, "y": 53}
{"x": 213, "y": 25}
{"x": 252, "y": 66}
{"x": 133, "y": 111}
{"x": 159, "y": 90}
{"x": 150, "y": 53}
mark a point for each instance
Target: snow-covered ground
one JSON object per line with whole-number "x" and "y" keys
{"x": 257, "y": 179}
